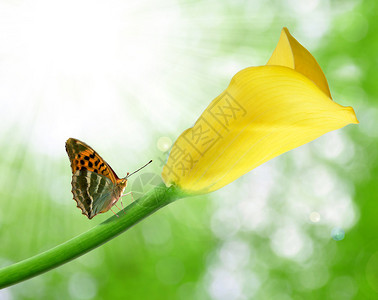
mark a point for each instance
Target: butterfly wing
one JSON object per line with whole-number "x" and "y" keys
{"x": 83, "y": 157}
{"x": 93, "y": 181}
{"x": 92, "y": 192}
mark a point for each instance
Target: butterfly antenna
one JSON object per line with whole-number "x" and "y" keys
{"x": 128, "y": 174}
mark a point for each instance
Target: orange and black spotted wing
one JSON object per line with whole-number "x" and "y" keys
{"x": 83, "y": 157}
{"x": 93, "y": 180}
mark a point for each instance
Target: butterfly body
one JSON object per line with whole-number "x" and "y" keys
{"x": 95, "y": 186}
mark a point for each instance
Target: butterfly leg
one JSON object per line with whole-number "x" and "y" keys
{"x": 120, "y": 200}
{"x": 114, "y": 213}
{"x": 122, "y": 207}
{"x": 129, "y": 193}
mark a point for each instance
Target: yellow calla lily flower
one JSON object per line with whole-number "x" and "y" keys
{"x": 290, "y": 53}
{"x": 264, "y": 112}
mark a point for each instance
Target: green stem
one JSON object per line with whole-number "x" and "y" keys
{"x": 135, "y": 212}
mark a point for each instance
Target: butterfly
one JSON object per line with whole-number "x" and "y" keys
{"x": 95, "y": 186}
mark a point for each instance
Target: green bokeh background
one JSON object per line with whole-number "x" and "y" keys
{"x": 254, "y": 239}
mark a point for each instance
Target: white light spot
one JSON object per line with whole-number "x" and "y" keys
{"x": 253, "y": 214}
{"x": 315, "y": 217}
{"x": 331, "y": 145}
{"x": 348, "y": 71}
{"x": 304, "y": 6}
{"x": 289, "y": 242}
{"x": 225, "y": 223}
{"x": 6, "y": 294}
{"x": 224, "y": 285}
{"x": 164, "y": 143}
{"x": 320, "y": 180}
{"x": 234, "y": 254}
{"x": 82, "y": 286}
{"x": 370, "y": 124}
{"x": 339, "y": 209}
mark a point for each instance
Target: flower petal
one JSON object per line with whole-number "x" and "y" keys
{"x": 290, "y": 53}
{"x": 264, "y": 112}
